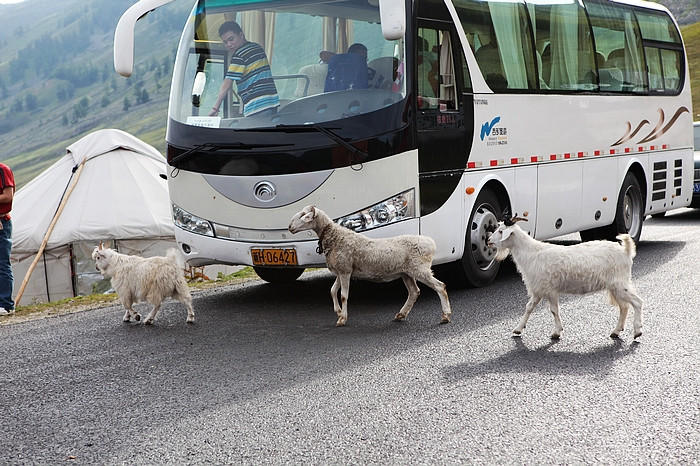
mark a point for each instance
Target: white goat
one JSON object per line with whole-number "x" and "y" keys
{"x": 380, "y": 260}
{"x": 151, "y": 279}
{"x": 549, "y": 270}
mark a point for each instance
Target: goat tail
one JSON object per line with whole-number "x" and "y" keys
{"x": 628, "y": 243}
{"x": 173, "y": 255}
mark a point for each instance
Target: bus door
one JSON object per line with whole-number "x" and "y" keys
{"x": 444, "y": 113}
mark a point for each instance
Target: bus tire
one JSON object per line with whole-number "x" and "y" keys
{"x": 280, "y": 275}
{"x": 629, "y": 214}
{"x": 478, "y": 266}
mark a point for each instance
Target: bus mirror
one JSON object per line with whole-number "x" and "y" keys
{"x": 200, "y": 80}
{"x": 393, "y": 16}
{"x": 124, "y": 34}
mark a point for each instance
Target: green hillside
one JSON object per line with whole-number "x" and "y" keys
{"x": 691, "y": 37}
{"x": 58, "y": 83}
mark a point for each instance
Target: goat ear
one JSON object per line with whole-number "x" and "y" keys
{"x": 506, "y": 233}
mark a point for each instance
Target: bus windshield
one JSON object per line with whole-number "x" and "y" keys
{"x": 299, "y": 62}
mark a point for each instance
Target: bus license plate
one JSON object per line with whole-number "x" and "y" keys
{"x": 267, "y": 257}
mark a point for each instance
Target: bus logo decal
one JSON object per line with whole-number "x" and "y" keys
{"x": 487, "y": 127}
{"x": 657, "y": 132}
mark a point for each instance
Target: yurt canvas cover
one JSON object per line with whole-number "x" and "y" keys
{"x": 119, "y": 196}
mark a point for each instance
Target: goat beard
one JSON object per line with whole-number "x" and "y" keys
{"x": 502, "y": 253}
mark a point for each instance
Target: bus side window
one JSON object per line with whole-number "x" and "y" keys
{"x": 500, "y": 35}
{"x": 436, "y": 77}
{"x": 663, "y": 50}
{"x": 617, "y": 38}
{"x": 565, "y": 47}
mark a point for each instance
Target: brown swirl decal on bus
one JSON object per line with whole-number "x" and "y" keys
{"x": 658, "y": 131}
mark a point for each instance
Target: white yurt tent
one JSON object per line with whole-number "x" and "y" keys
{"x": 117, "y": 195}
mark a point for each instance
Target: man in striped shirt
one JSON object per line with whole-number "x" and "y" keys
{"x": 250, "y": 69}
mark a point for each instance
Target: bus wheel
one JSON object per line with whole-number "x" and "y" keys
{"x": 629, "y": 214}
{"x": 478, "y": 266}
{"x": 280, "y": 275}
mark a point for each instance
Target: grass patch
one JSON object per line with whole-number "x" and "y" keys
{"x": 96, "y": 301}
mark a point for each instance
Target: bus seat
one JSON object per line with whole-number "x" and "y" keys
{"x": 346, "y": 71}
{"x": 610, "y": 79}
{"x": 385, "y": 70}
{"x": 317, "y": 79}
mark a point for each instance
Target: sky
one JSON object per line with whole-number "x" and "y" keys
{"x": 10, "y": 1}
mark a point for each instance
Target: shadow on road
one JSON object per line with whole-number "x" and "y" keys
{"x": 546, "y": 360}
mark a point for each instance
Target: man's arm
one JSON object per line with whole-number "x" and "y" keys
{"x": 7, "y": 194}
{"x": 225, "y": 88}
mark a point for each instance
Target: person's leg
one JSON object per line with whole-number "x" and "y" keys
{"x": 6, "y": 278}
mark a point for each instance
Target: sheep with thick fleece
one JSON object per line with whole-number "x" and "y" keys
{"x": 549, "y": 270}
{"x": 151, "y": 279}
{"x": 350, "y": 254}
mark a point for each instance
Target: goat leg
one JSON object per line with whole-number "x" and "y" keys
{"x": 554, "y": 307}
{"x": 152, "y": 315}
{"x": 529, "y": 307}
{"x": 620, "y": 321}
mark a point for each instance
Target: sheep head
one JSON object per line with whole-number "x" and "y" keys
{"x": 303, "y": 220}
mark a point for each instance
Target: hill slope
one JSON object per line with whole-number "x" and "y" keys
{"x": 58, "y": 83}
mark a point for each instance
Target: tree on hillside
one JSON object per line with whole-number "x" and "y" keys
{"x": 127, "y": 104}
{"x": 80, "y": 110}
{"x": 30, "y": 102}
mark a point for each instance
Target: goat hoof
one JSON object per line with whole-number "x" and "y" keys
{"x": 148, "y": 322}
{"x": 615, "y": 335}
{"x": 190, "y": 321}
{"x": 445, "y": 320}
{"x": 517, "y": 332}
{"x": 555, "y": 336}
{"x": 340, "y": 323}
{"x": 637, "y": 334}
{"x": 137, "y": 317}
{"x": 399, "y": 317}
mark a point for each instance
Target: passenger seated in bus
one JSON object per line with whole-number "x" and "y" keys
{"x": 489, "y": 59}
{"x": 348, "y": 70}
{"x": 250, "y": 68}
{"x": 428, "y": 74}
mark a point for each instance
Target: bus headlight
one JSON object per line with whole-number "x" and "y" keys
{"x": 396, "y": 209}
{"x": 189, "y": 222}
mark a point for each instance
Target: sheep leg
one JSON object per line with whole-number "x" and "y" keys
{"x": 344, "y": 292}
{"x": 529, "y": 307}
{"x": 554, "y": 307}
{"x": 441, "y": 291}
{"x": 413, "y": 292}
{"x": 334, "y": 294}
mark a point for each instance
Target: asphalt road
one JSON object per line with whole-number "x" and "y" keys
{"x": 264, "y": 376}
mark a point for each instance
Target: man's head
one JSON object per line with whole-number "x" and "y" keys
{"x": 231, "y": 35}
{"x": 359, "y": 49}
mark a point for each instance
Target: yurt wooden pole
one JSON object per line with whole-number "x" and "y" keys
{"x": 48, "y": 232}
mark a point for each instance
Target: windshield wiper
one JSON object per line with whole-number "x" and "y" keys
{"x": 315, "y": 127}
{"x": 211, "y": 147}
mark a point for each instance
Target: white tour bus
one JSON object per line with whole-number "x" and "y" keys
{"x": 576, "y": 113}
